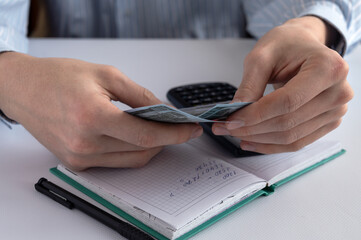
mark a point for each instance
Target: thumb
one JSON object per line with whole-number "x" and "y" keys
{"x": 123, "y": 89}
{"x": 257, "y": 70}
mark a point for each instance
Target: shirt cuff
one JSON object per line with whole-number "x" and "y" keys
{"x": 11, "y": 40}
{"x": 332, "y": 15}
{"x": 5, "y": 120}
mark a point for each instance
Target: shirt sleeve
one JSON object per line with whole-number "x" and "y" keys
{"x": 343, "y": 15}
{"x": 13, "y": 25}
{"x": 13, "y": 28}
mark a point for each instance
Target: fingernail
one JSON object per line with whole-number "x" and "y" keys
{"x": 221, "y": 131}
{"x": 196, "y": 133}
{"x": 235, "y": 124}
{"x": 248, "y": 146}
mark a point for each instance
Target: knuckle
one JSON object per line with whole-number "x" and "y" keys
{"x": 257, "y": 57}
{"x": 255, "y": 115}
{"x": 139, "y": 163}
{"x": 345, "y": 94}
{"x": 244, "y": 131}
{"x": 343, "y": 109}
{"x": 296, "y": 146}
{"x": 290, "y": 137}
{"x": 339, "y": 66}
{"x": 145, "y": 140}
{"x": 286, "y": 123}
{"x": 259, "y": 116}
{"x": 109, "y": 72}
{"x": 84, "y": 118}
{"x": 143, "y": 158}
{"x": 246, "y": 92}
{"x": 332, "y": 64}
{"x": 184, "y": 133}
{"x": 181, "y": 137}
{"x": 147, "y": 95}
{"x": 336, "y": 124}
{"x": 81, "y": 146}
{"x": 292, "y": 102}
{"x": 75, "y": 163}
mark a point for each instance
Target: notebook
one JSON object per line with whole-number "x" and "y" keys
{"x": 190, "y": 186}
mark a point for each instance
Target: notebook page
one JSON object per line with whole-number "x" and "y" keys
{"x": 275, "y": 167}
{"x": 177, "y": 187}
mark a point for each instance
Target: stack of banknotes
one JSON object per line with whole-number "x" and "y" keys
{"x": 203, "y": 113}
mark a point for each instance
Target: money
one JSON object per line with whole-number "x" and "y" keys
{"x": 203, "y": 113}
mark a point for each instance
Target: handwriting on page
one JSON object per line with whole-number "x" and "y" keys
{"x": 197, "y": 181}
{"x": 208, "y": 170}
{"x": 174, "y": 180}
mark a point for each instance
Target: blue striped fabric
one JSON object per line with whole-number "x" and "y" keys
{"x": 147, "y": 19}
{"x": 344, "y": 15}
{"x": 174, "y": 18}
{"x": 13, "y": 25}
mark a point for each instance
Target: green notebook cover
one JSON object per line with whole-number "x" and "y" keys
{"x": 264, "y": 192}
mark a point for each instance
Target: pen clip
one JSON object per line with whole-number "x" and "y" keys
{"x": 56, "y": 197}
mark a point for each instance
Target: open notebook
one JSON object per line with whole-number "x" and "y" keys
{"x": 187, "y": 187}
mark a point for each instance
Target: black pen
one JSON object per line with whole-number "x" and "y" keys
{"x": 71, "y": 201}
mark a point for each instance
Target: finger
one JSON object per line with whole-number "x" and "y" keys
{"x": 125, "y": 159}
{"x": 125, "y": 90}
{"x": 335, "y": 96}
{"x": 109, "y": 144}
{"x": 104, "y": 118}
{"x": 113, "y": 160}
{"x": 90, "y": 145}
{"x": 144, "y": 133}
{"x": 257, "y": 71}
{"x": 278, "y": 148}
{"x": 307, "y": 84}
{"x": 299, "y": 132}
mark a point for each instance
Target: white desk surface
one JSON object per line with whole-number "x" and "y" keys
{"x": 323, "y": 204}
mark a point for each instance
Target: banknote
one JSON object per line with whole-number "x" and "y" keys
{"x": 202, "y": 113}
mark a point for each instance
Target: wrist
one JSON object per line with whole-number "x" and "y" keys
{"x": 316, "y": 27}
{"x": 10, "y": 78}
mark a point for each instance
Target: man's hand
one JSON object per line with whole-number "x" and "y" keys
{"x": 311, "y": 95}
{"x": 66, "y": 105}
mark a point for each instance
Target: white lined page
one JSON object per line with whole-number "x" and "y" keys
{"x": 177, "y": 187}
{"x": 275, "y": 167}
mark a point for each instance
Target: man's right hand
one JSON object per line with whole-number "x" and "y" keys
{"x": 66, "y": 105}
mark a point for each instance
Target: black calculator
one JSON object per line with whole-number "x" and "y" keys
{"x": 208, "y": 93}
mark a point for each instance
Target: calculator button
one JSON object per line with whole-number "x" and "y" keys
{"x": 229, "y": 97}
{"x": 183, "y": 93}
{"x": 195, "y": 102}
{"x": 220, "y": 98}
{"x": 180, "y": 89}
{"x": 189, "y": 97}
{"x": 204, "y": 95}
{"x": 207, "y": 100}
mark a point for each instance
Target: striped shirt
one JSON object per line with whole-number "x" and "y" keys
{"x": 175, "y": 18}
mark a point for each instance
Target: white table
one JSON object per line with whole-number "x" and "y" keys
{"x": 323, "y": 204}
